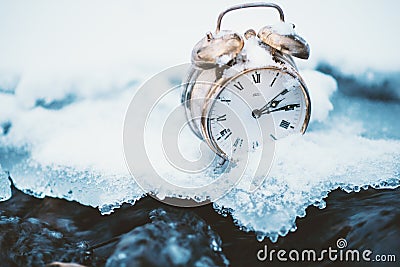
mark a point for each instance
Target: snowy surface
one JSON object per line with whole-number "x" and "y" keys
{"x": 283, "y": 28}
{"x": 69, "y": 69}
{"x": 5, "y": 186}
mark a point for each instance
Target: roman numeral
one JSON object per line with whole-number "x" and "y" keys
{"x": 239, "y": 86}
{"x": 284, "y": 124}
{"x": 224, "y": 132}
{"x": 291, "y": 107}
{"x": 221, "y": 118}
{"x": 273, "y": 81}
{"x": 229, "y": 134}
{"x": 256, "y": 77}
{"x": 238, "y": 142}
{"x": 224, "y": 100}
{"x": 255, "y": 144}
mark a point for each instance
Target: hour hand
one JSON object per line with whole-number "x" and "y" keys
{"x": 274, "y": 102}
{"x": 285, "y": 108}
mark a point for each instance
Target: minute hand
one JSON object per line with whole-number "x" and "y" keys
{"x": 273, "y": 102}
{"x": 285, "y": 108}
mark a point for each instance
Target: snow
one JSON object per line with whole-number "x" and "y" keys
{"x": 321, "y": 87}
{"x": 5, "y": 186}
{"x": 283, "y": 28}
{"x": 300, "y": 178}
{"x": 256, "y": 54}
{"x": 68, "y": 71}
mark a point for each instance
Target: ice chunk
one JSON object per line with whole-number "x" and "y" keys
{"x": 5, "y": 186}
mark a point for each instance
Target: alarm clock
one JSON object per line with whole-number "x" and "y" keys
{"x": 243, "y": 90}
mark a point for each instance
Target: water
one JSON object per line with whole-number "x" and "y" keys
{"x": 35, "y": 232}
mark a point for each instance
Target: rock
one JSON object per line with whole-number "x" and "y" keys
{"x": 173, "y": 238}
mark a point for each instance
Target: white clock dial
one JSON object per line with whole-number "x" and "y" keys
{"x": 238, "y": 119}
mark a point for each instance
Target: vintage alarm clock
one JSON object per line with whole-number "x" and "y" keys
{"x": 239, "y": 83}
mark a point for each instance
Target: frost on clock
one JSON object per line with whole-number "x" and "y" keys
{"x": 283, "y": 28}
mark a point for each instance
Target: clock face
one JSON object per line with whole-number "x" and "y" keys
{"x": 256, "y": 106}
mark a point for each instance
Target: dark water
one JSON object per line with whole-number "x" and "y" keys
{"x": 36, "y": 232}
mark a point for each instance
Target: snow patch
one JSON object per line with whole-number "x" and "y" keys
{"x": 5, "y": 186}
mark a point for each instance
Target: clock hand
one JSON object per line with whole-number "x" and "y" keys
{"x": 272, "y": 103}
{"x": 275, "y": 103}
{"x": 285, "y": 108}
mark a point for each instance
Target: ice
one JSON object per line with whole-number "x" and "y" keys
{"x": 299, "y": 178}
{"x": 5, "y": 186}
{"x": 75, "y": 153}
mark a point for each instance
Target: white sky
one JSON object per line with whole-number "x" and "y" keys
{"x": 85, "y": 35}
